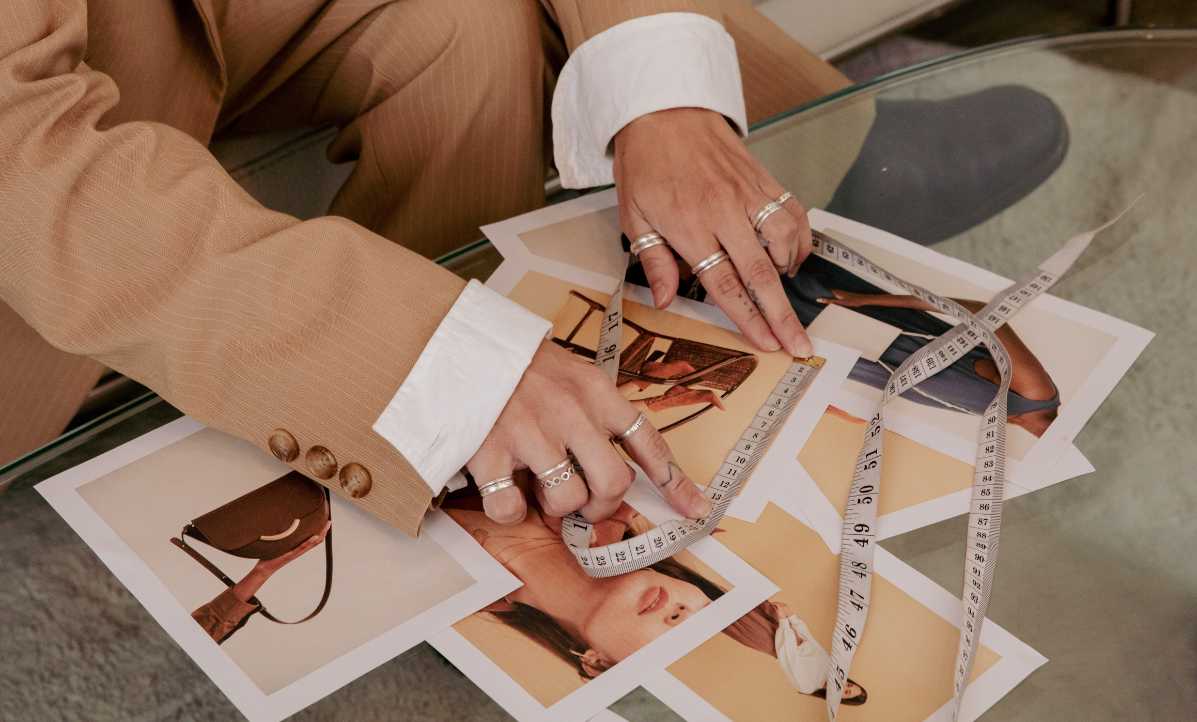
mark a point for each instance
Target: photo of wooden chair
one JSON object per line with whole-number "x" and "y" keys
{"x": 680, "y": 364}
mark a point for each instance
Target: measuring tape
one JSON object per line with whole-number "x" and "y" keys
{"x": 671, "y": 537}
{"x": 858, "y": 534}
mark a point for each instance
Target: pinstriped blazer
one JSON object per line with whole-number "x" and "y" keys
{"x": 123, "y": 240}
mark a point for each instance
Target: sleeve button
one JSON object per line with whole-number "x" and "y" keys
{"x": 321, "y": 462}
{"x": 283, "y": 445}
{"x": 356, "y": 480}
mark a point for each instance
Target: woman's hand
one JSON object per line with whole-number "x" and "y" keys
{"x": 685, "y": 174}
{"x": 265, "y": 568}
{"x": 564, "y": 404}
{"x": 270, "y": 566}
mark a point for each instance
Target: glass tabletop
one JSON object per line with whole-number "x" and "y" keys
{"x": 1096, "y": 573}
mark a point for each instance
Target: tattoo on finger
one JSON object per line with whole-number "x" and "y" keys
{"x": 676, "y": 475}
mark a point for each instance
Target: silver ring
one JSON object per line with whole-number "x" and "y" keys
{"x": 557, "y": 475}
{"x": 763, "y": 214}
{"x": 709, "y": 262}
{"x": 645, "y": 242}
{"x": 641, "y": 420}
{"x": 495, "y": 485}
{"x": 783, "y": 198}
{"x": 555, "y": 468}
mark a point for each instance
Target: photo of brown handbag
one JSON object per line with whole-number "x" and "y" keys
{"x": 265, "y": 524}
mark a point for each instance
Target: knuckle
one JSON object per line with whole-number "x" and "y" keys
{"x": 567, "y": 500}
{"x": 725, "y": 282}
{"x": 761, "y": 272}
{"x": 505, "y": 507}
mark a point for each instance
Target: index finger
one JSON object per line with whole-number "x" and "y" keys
{"x": 648, "y": 448}
{"x": 763, "y": 286}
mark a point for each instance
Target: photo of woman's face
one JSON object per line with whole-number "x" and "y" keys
{"x": 636, "y": 609}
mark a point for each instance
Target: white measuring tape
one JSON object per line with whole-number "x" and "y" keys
{"x": 671, "y": 537}
{"x": 858, "y": 534}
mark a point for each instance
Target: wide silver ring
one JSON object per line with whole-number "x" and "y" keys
{"x": 495, "y": 485}
{"x": 645, "y": 242}
{"x": 709, "y": 262}
{"x": 763, "y": 214}
{"x": 641, "y": 420}
{"x": 782, "y": 199}
{"x": 557, "y": 475}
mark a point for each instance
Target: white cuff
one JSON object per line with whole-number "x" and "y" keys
{"x": 461, "y": 382}
{"x": 640, "y": 66}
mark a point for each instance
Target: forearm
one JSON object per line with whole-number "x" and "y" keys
{"x": 132, "y": 245}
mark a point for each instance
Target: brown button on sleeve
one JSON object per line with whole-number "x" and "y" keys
{"x": 356, "y": 480}
{"x": 321, "y": 462}
{"x": 283, "y": 445}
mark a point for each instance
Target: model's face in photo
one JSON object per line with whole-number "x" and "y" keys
{"x": 636, "y": 609}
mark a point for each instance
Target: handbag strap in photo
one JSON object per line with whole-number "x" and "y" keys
{"x": 859, "y": 530}
{"x": 216, "y": 572}
{"x": 671, "y": 537}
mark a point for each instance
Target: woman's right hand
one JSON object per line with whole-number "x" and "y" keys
{"x": 565, "y": 404}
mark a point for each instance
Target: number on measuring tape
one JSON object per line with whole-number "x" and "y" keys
{"x": 675, "y": 535}
{"x": 858, "y": 533}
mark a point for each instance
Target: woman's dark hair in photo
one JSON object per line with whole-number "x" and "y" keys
{"x": 546, "y": 632}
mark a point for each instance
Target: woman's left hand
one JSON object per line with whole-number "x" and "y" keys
{"x": 684, "y": 173}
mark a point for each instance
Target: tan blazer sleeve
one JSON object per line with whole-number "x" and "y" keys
{"x": 132, "y": 245}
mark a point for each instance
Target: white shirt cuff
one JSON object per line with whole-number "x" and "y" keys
{"x": 460, "y": 383}
{"x": 640, "y": 66}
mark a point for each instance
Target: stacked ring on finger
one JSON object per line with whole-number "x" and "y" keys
{"x": 709, "y": 262}
{"x": 556, "y": 475}
{"x": 645, "y": 242}
{"x": 763, "y": 214}
{"x": 494, "y": 485}
{"x": 626, "y": 434}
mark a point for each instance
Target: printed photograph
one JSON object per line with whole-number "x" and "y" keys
{"x": 565, "y": 645}
{"x": 699, "y": 384}
{"x": 771, "y": 664}
{"x": 1066, "y": 358}
{"x": 293, "y": 593}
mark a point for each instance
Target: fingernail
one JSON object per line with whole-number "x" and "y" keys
{"x": 658, "y": 295}
{"x": 771, "y": 344}
{"x": 700, "y": 508}
{"x": 802, "y": 347}
{"x": 823, "y": 301}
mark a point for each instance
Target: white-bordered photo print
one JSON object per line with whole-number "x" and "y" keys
{"x": 565, "y": 646}
{"x": 724, "y": 383}
{"x": 771, "y": 663}
{"x": 1070, "y": 357}
{"x": 279, "y": 593}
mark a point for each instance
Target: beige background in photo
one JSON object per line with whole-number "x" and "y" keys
{"x": 1067, "y": 349}
{"x": 381, "y": 578}
{"x": 538, "y": 671}
{"x": 912, "y": 473}
{"x": 701, "y": 445}
{"x": 589, "y": 241}
{"x": 905, "y": 662}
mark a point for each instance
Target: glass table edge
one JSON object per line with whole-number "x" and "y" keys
{"x": 79, "y": 435}
{"x": 894, "y": 77}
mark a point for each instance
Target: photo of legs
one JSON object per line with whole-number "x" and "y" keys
{"x": 772, "y": 663}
